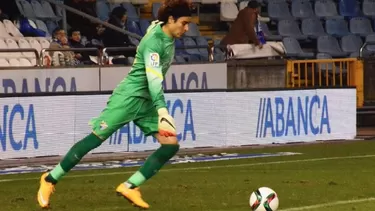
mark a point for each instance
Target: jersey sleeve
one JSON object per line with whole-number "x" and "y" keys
{"x": 152, "y": 57}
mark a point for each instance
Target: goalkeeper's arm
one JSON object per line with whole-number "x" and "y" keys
{"x": 155, "y": 78}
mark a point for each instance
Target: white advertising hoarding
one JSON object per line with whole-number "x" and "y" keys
{"x": 41, "y": 126}
{"x": 49, "y": 80}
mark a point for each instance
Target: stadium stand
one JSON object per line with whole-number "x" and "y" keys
{"x": 336, "y": 28}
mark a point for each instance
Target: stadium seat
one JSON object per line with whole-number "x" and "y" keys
{"x": 337, "y": 27}
{"x": 35, "y": 44}
{"x": 179, "y": 59}
{"x": 42, "y": 26}
{"x": 326, "y": 66}
{"x": 13, "y": 45}
{"x": 368, "y": 8}
{"x": 12, "y": 29}
{"x": 24, "y": 62}
{"x": 131, "y": 11}
{"x": 102, "y": 9}
{"x": 51, "y": 25}
{"x": 4, "y": 63}
{"x": 23, "y": 44}
{"x": 228, "y": 11}
{"x": 289, "y": 28}
{"x": 370, "y": 38}
{"x": 193, "y": 52}
{"x": 27, "y": 9}
{"x": 351, "y": 44}
{"x": 133, "y": 27}
{"x": 360, "y": 26}
{"x": 48, "y": 10}
{"x": 326, "y": 9}
{"x": 302, "y": 9}
{"x": 349, "y": 8}
{"x": 312, "y": 27}
{"x": 44, "y": 43}
{"x": 219, "y": 55}
{"x": 279, "y": 11}
{"x": 242, "y": 5}
{"x": 3, "y": 32}
{"x": 144, "y": 24}
{"x": 293, "y": 48}
{"x": 268, "y": 35}
{"x": 193, "y": 30}
{"x": 38, "y": 10}
{"x": 201, "y": 41}
{"x": 19, "y": 6}
{"x": 14, "y": 62}
{"x": 155, "y": 9}
{"x": 210, "y": 1}
{"x": 330, "y": 45}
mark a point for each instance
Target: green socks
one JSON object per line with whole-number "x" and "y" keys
{"x": 153, "y": 164}
{"x": 73, "y": 157}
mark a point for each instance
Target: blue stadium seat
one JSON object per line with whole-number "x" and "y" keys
{"x": 349, "y": 8}
{"x": 144, "y": 24}
{"x": 133, "y": 27}
{"x": 337, "y": 27}
{"x": 293, "y": 48}
{"x": 368, "y": 8}
{"x": 155, "y": 9}
{"x": 326, "y": 9}
{"x": 312, "y": 27}
{"x": 268, "y": 35}
{"x": 193, "y": 52}
{"x": 131, "y": 11}
{"x": 329, "y": 44}
{"x": 102, "y": 10}
{"x": 370, "y": 38}
{"x": 289, "y": 28}
{"x": 193, "y": 30}
{"x": 360, "y": 26}
{"x": 351, "y": 44}
{"x": 201, "y": 41}
{"x": 302, "y": 9}
{"x": 279, "y": 11}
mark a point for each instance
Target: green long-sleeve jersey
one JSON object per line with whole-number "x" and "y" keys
{"x": 154, "y": 56}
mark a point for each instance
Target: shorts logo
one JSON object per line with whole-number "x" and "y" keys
{"x": 103, "y": 125}
{"x": 154, "y": 59}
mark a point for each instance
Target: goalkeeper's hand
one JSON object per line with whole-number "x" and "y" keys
{"x": 166, "y": 123}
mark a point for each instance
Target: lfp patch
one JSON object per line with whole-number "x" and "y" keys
{"x": 154, "y": 59}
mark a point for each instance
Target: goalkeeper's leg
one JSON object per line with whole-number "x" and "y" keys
{"x": 169, "y": 147}
{"x": 117, "y": 113}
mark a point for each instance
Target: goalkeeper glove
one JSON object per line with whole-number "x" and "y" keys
{"x": 166, "y": 123}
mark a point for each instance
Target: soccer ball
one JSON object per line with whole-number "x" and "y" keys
{"x": 264, "y": 199}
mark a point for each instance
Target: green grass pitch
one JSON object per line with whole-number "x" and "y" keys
{"x": 335, "y": 177}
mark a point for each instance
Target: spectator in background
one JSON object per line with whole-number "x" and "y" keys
{"x": 112, "y": 38}
{"x": 75, "y": 42}
{"x": 61, "y": 58}
{"x": 245, "y": 26}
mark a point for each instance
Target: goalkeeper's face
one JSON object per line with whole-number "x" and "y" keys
{"x": 179, "y": 27}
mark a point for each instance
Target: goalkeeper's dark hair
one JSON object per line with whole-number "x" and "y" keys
{"x": 174, "y": 8}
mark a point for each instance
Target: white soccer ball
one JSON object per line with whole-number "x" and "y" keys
{"x": 264, "y": 199}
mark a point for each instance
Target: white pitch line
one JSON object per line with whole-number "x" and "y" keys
{"x": 331, "y": 204}
{"x": 204, "y": 167}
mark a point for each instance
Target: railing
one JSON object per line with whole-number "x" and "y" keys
{"x": 363, "y": 47}
{"x": 326, "y": 73}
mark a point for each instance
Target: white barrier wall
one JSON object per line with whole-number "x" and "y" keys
{"x": 40, "y": 126}
{"x": 179, "y": 77}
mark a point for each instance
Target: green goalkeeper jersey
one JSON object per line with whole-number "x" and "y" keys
{"x": 154, "y": 56}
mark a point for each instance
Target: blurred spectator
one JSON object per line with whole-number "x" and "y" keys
{"x": 244, "y": 28}
{"x": 76, "y": 42}
{"x": 61, "y": 58}
{"x": 112, "y": 38}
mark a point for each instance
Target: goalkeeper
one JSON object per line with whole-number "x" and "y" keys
{"x": 139, "y": 98}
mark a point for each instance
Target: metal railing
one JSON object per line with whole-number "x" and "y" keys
{"x": 363, "y": 47}
{"x": 44, "y": 50}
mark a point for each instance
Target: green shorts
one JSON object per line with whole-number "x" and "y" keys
{"x": 121, "y": 110}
